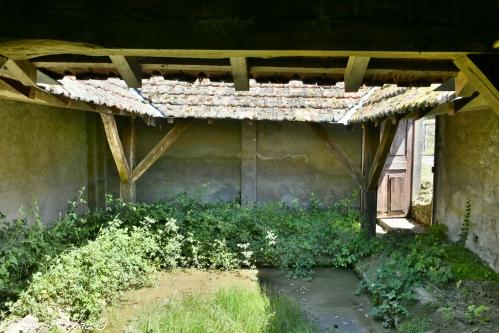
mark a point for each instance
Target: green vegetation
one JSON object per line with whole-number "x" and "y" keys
{"x": 229, "y": 310}
{"x": 83, "y": 262}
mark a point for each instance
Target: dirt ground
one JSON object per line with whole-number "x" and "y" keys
{"x": 328, "y": 299}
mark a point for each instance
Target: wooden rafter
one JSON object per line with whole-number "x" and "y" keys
{"x": 160, "y": 148}
{"x": 338, "y": 152}
{"x": 240, "y": 73}
{"x": 479, "y": 80}
{"x": 354, "y": 73}
{"x": 387, "y": 136}
{"x": 21, "y": 70}
{"x": 129, "y": 70}
{"x": 116, "y": 147}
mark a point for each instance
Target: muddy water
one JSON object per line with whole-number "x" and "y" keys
{"x": 328, "y": 299}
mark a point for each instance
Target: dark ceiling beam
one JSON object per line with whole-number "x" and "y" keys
{"x": 257, "y": 25}
{"x": 239, "y": 69}
{"x": 354, "y": 73}
{"x": 129, "y": 70}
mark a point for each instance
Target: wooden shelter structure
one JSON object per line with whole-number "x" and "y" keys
{"x": 319, "y": 42}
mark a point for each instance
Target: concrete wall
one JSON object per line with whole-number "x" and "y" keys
{"x": 43, "y": 157}
{"x": 467, "y": 161}
{"x": 205, "y": 162}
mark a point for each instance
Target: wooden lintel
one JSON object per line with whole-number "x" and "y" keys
{"x": 339, "y": 153}
{"x": 160, "y": 148}
{"x": 116, "y": 147}
{"x": 387, "y": 136}
{"x": 479, "y": 80}
{"x": 239, "y": 73}
{"x": 22, "y": 70}
{"x": 354, "y": 73}
{"x": 129, "y": 70}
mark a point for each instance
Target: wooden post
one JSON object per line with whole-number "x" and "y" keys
{"x": 370, "y": 143}
{"x": 128, "y": 189}
{"x": 248, "y": 163}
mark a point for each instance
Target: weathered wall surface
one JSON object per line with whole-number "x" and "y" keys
{"x": 292, "y": 163}
{"x": 468, "y": 168}
{"x": 43, "y": 157}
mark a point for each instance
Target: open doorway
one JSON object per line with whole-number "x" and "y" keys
{"x": 423, "y": 167}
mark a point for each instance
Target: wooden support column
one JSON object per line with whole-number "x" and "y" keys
{"x": 117, "y": 151}
{"x": 128, "y": 189}
{"x": 248, "y": 162}
{"x": 370, "y": 143}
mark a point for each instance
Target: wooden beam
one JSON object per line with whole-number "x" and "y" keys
{"x": 338, "y": 152}
{"x": 3, "y": 60}
{"x": 22, "y": 70}
{"x": 160, "y": 148}
{"x": 387, "y": 136}
{"x": 479, "y": 80}
{"x": 41, "y": 77}
{"x": 116, "y": 147}
{"x": 128, "y": 189}
{"x": 129, "y": 70}
{"x": 370, "y": 144}
{"x": 354, "y": 73}
{"x": 239, "y": 73}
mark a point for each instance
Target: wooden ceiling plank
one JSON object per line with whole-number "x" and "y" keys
{"x": 354, "y": 72}
{"x": 240, "y": 73}
{"x": 129, "y": 70}
{"x": 479, "y": 81}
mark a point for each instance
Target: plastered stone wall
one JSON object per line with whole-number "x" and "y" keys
{"x": 43, "y": 158}
{"x": 292, "y": 162}
{"x": 468, "y": 168}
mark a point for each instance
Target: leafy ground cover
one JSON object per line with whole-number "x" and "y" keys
{"x": 79, "y": 264}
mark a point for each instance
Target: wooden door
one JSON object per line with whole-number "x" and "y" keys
{"x": 394, "y": 191}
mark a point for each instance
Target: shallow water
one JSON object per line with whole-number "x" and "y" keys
{"x": 329, "y": 299}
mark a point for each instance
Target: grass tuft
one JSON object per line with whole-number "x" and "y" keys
{"x": 229, "y": 310}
